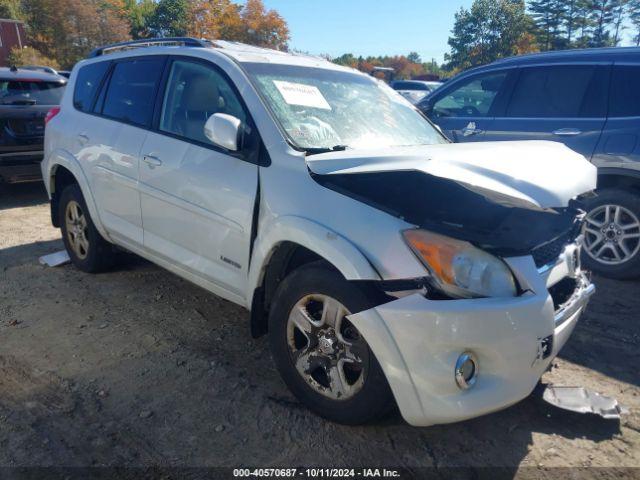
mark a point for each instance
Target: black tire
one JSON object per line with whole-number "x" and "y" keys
{"x": 631, "y": 267}
{"x": 374, "y": 399}
{"x": 100, "y": 254}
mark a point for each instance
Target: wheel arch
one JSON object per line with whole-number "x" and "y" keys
{"x": 289, "y": 243}
{"x": 62, "y": 170}
{"x": 619, "y": 178}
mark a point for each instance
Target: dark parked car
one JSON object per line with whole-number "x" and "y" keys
{"x": 25, "y": 98}
{"x": 586, "y": 99}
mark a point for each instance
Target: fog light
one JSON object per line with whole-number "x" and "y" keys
{"x": 466, "y": 370}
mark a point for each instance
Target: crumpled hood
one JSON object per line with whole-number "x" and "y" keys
{"x": 547, "y": 174}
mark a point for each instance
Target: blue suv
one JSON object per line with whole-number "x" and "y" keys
{"x": 587, "y": 99}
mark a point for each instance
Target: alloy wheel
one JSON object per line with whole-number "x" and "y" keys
{"x": 76, "y": 226}
{"x": 326, "y": 349}
{"x": 612, "y": 234}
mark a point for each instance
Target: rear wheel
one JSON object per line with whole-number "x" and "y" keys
{"x": 612, "y": 234}
{"x": 86, "y": 248}
{"x": 321, "y": 356}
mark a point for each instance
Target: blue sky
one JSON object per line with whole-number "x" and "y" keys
{"x": 373, "y": 27}
{"x": 370, "y": 27}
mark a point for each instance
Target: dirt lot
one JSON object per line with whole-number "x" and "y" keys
{"x": 137, "y": 367}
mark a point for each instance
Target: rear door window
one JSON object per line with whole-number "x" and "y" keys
{"x": 87, "y": 84}
{"x": 30, "y": 92}
{"x": 624, "y": 100}
{"x": 562, "y": 91}
{"x": 474, "y": 98}
{"x": 131, "y": 94}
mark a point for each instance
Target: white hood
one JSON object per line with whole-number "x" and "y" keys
{"x": 547, "y": 174}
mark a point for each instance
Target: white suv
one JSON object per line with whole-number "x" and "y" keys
{"x": 387, "y": 265}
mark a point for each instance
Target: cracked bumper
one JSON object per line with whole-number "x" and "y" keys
{"x": 417, "y": 342}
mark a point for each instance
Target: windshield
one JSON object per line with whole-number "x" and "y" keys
{"x": 30, "y": 92}
{"x": 321, "y": 109}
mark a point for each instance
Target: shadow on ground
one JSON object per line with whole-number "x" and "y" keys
{"x": 137, "y": 367}
{"x": 22, "y": 195}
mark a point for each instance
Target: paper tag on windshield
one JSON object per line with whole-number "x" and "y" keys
{"x": 301, "y": 94}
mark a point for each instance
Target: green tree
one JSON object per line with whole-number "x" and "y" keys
{"x": 139, "y": 14}
{"x": 491, "y": 29}
{"x": 169, "y": 19}
{"x": 634, "y": 17}
{"x": 602, "y": 16}
{"x": 549, "y": 17}
{"x": 11, "y": 9}
{"x": 583, "y": 23}
{"x": 414, "y": 57}
{"x": 619, "y": 16}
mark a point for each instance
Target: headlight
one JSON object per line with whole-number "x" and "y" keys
{"x": 458, "y": 268}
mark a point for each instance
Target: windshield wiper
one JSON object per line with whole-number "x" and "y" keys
{"x": 335, "y": 148}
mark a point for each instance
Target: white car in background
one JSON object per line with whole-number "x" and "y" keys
{"x": 415, "y": 90}
{"x": 387, "y": 265}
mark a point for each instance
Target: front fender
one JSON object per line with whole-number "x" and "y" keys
{"x": 62, "y": 158}
{"x": 331, "y": 246}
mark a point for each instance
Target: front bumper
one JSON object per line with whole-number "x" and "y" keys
{"x": 417, "y": 342}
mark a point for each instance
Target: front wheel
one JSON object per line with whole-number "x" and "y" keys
{"x": 321, "y": 356}
{"x": 612, "y": 234}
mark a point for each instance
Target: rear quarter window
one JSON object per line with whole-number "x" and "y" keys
{"x": 624, "y": 100}
{"x": 132, "y": 88}
{"x": 559, "y": 91}
{"x": 87, "y": 84}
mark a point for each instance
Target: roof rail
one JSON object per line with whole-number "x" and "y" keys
{"x": 149, "y": 42}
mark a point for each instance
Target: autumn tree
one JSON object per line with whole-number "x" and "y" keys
{"x": 30, "y": 56}
{"x": 250, "y": 23}
{"x": 215, "y": 19}
{"x": 67, "y": 30}
{"x": 262, "y": 27}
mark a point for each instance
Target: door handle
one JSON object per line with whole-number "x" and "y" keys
{"x": 567, "y": 132}
{"x": 82, "y": 138}
{"x": 471, "y": 129}
{"x": 152, "y": 161}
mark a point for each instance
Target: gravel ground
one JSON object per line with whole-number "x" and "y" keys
{"x": 137, "y": 367}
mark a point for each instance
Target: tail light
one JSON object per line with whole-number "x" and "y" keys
{"x": 50, "y": 114}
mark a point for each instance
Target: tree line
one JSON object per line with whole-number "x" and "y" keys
{"x": 61, "y": 32}
{"x": 493, "y": 29}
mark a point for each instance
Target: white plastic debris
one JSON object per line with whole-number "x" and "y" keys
{"x": 55, "y": 259}
{"x": 582, "y": 400}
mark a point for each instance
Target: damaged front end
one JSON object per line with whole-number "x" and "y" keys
{"x": 458, "y": 349}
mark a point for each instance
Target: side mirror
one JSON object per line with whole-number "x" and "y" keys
{"x": 223, "y": 130}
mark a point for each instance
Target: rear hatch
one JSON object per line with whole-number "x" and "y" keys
{"x": 23, "y": 106}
